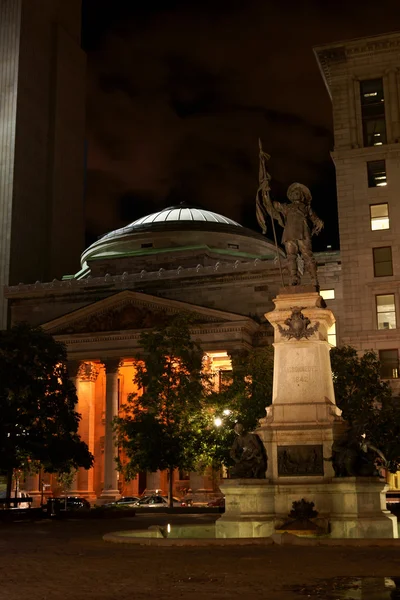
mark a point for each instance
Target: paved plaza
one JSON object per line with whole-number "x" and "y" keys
{"x": 51, "y": 560}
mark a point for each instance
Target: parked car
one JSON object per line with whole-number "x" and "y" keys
{"x": 70, "y": 503}
{"x": 128, "y": 501}
{"x": 24, "y": 500}
{"x": 156, "y": 501}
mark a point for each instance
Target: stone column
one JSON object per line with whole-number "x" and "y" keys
{"x": 110, "y": 486}
{"x": 86, "y": 381}
{"x": 73, "y": 369}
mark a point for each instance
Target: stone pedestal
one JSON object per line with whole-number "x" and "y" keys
{"x": 298, "y": 432}
{"x": 249, "y": 509}
{"x": 358, "y": 509}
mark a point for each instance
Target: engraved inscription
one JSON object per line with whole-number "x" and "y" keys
{"x": 301, "y": 374}
{"x": 300, "y": 460}
{"x": 305, "y": 369}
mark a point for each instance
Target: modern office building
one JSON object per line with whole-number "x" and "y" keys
{"x": 42, "y": 132}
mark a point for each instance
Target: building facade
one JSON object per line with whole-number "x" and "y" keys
{"x": 363, "y": 79}
{"x": 180, "y": 260}
{"x": 184, "y": 259}
{"x": 42, "y": 121}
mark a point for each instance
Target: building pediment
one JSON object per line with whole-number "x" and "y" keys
{"x": 132, "y": 311}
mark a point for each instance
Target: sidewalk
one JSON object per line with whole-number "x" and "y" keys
{"x": 69, "y": 561}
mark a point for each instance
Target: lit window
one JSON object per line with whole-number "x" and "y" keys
{"x": 373, "y": 112}
{"x": 386, "y": 311}
{"x": 383, "y": 266}
{"x": 376, "y": 170}
{"x": 389, "y": 364}
{"x": 379, "y": 214}
{"x": 327, "y": 294}
{"x": 332, "y": 335}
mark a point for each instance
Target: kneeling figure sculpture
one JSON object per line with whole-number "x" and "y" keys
{"x": 249, "y": 455}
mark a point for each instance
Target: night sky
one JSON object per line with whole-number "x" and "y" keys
{"x": 179, "y": 92}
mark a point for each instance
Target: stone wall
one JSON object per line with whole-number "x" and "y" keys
{"x": 42, "y": 103}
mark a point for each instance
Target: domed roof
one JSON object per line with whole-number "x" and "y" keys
{"x": 182, "y": 213}
{"x": 176, "y": 233}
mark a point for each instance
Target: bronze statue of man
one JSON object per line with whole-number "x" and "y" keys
{"x": 295, "y": 217}
{"x": 298, "y": 215}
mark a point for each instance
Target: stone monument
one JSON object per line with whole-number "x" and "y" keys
{"x": 303, "y": 421}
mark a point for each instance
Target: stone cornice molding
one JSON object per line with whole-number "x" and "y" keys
{"x": 56, "y": 287}
{"x": 134, "y": 336}
{"x": 329, "y": 56}
{"x": 129, "y": 310}
{"x": 367, "y": 152}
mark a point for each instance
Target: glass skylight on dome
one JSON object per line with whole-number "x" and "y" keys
{"x": 173, "y": 214}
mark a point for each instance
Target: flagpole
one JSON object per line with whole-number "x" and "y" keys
{"x": 266, "y": 198}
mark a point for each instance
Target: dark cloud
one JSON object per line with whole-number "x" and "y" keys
{"x": 179, "y": 92}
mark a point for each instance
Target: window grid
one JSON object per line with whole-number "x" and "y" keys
{"x": 389, "y": 360}
{"x": 376, "y": 170}
{"x": 373, "y": 112}
{"x": 383, "y": 265}
{"x": 386, "y": 311}
{"x": 379, "y": 215}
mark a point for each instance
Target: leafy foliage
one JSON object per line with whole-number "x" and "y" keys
{"x": 38, "y": 421}
{"x": 245, "y": 397}
{"x": 164, "y": 427}
{"x": 366, "y": 401}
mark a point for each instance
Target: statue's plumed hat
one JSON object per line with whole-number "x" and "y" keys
{"x": 304, "y": 190}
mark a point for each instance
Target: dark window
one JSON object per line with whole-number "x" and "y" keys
{"x": 376, "y": 173}
{"x": 146, "y": 245}
{"x": 234, "y": 246}
{"x": 389, "y": 364}
{"x": 382, "y": 261}
{"x": 373, "y": 112}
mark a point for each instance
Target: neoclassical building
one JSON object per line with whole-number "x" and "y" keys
{"x": 179, "y": 260}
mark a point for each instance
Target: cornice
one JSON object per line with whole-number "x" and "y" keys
{"x": 240, "y": 270}
{"x": 330, "y": 56}
{"x": 134, "y": 336}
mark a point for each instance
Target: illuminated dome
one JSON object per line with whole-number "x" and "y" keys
{"x": 173, "y": 214}
{"x": 174, "y": 236}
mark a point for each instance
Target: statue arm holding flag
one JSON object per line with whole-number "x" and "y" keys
{"x": 264, "y": 204}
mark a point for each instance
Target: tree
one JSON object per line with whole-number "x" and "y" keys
{"x": 243, "y": 399}
{"x": 38, "y": 421}
{"x": 164, "y": 427}
{"x": 367, "y": 403}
